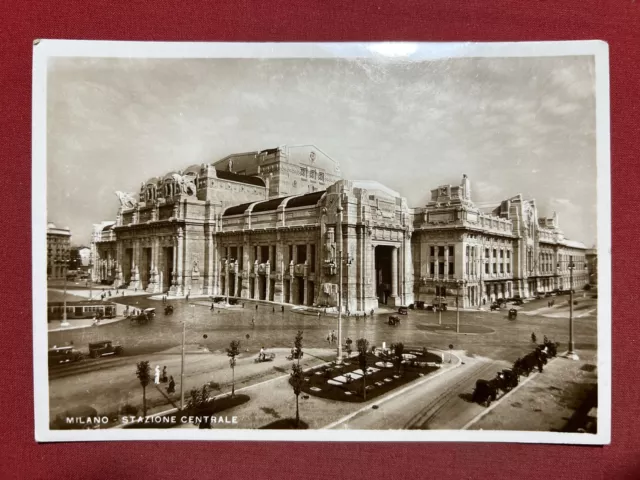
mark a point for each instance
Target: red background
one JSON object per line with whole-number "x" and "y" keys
{"x": 617, "y": 22}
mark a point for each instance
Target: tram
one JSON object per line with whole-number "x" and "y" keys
{"x": 81, "y": 309}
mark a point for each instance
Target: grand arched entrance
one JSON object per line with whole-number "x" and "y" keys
{"x": 386, "y": 276}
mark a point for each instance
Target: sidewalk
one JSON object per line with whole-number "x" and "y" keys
{"x": 56, "y": 325}
{"x": 547, "y": 401}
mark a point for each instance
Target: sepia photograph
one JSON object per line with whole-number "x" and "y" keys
{"x": 322, "y": 241}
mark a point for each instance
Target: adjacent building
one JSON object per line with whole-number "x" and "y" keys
{"x": 58, "y": 247}
{"x": 283, "y": 225}
{"x": 479, "y": 254}
{"x": 592, "y": 266}
{"x": 103, "y": 253}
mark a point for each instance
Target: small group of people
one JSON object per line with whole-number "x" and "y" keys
{"x": 551, "y": 303}
{"x": 331, "y": 338}
{"x": 161, "y": 377}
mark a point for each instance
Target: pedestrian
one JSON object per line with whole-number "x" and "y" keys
{"x": 256, "y": 308}
{"x": 172, "y": 385}
{"x": 212, "y": 306}
{"x": 318, "y": 315}
{"x": 274, "y": 309}
{"x": 533, "y": 337}
{"x": 282, "y": 308}
{"x": 163, "y": 378}
{"x": 253, "y": 322}
{"x": 156, "y": 377}
{"x": 187, "y": 297}
{"x": 333, "y": 336}
{"x": 372, "y": 312}
{"x": 109, "y": 293}
{"x": 135, "y": 289}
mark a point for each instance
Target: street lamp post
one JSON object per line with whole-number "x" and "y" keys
{"x": 339, "y": 241}
{"x": 184, "y": 334}
{"x": 64, "y": 323}
{"x": 458, "y": 285}
{"x": 571, "y": 354}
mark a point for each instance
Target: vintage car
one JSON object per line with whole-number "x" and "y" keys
{"x": 439, "y": 304}
{"x": 495, "y": 306}
{"x": 403, "y": 311}
{"x": 485, "y": 392}
{"x": 58, "y": 355}
{"x": 104, "y": 348}
{"x": 513, "y": 314}
{"x": 394, "y": 320}
{"x": 168, "y": 309}
{"x": 518, "y": 301}
{"x": 420, "y": 305}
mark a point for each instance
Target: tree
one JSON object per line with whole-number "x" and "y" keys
{"x": 143, "y": 373}
{"x": 232, "y": 352}
{"x": 297, "y": 343}
{"x": 297, "y": 381}
{"x": 199, "y": 402}
{"x": 398, "y": 352}
{"x": 363, "y": 345}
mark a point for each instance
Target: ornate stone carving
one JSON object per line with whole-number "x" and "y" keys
{"x": 127, "y": 200}
{"x": 186, "y": 182}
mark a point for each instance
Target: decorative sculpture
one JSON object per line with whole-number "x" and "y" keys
{"x": 127, "y": 200}
{"x": 185, "y": 183}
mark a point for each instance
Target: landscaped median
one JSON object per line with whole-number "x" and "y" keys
{"x": 385, "y": 372}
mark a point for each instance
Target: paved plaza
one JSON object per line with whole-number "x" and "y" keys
{"x": 488, "y": 342}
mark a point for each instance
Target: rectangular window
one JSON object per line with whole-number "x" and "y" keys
{"x": 451, "y": 272}
{"x": 508, "y": 268}
{"x": 495, "y": 253}
{"x": 321, "y": 176}
{"x": 486, "y": 268}
{"x": 467, "y": 250}
{"x": 501, "y": 253}
{"x": 451, "y": 250}
{"x": 303, "y": 172}
{"x": 441, "y": 251}
{"x": 495, "y": 268}
{"x": 508, "y": 253}
{"x": 431, "y": 269}
{"x": 312, "y": 174}
{"x": 432, "y": 251}
{"x": 486, "y": 253}
{"x": 502, "y": 268}
{"x": 440, "y": 268}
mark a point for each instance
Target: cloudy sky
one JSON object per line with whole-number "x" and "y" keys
{"x": 513, "y": 125}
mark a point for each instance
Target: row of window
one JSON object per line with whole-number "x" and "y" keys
{"x": 311, "y": 174}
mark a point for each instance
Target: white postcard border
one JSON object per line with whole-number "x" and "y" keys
{"x": 44, "y": 49}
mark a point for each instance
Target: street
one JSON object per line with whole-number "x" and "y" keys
{"x": 442, "y": 402}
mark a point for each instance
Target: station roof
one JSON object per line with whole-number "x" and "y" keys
{"x": 235, "y": 177}
{"x": 306, "y": 200}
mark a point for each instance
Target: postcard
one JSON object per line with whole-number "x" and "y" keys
{"x": 322, "y": 241}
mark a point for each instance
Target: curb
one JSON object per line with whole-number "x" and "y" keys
{"x": 392, "y": 395}
{"x": 499, "y": 401}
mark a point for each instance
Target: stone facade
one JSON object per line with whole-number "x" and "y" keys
{"x": 481, "y": 254}
{"x": 103, "y": 253}
{"x": 58, "y": 251}
{"x": 280, "y": 224}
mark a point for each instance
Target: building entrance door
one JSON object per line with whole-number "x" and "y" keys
{"x": 383, "y": 272}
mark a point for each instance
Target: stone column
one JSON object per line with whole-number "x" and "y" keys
{"x": 306, "y": 275}
{"x": 256, "y": 277}
{"x": 180, "y": 262}
{"x": 278, "y": 269}
{"x": 394, "y": 272}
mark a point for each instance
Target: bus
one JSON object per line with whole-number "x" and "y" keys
{"x": 81, "y": 309}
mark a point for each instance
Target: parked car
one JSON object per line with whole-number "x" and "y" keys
{"x": 494, "y": 306}
{"x": 518, "y": 301}
{"x": 58, "y": 355}
{"x": 403, "y": 311}
{"x": 420, "y": 305}
{"x": 104, "y": 348}
{"x": 393, "y": 320}
{"x": 439, "y": 303}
